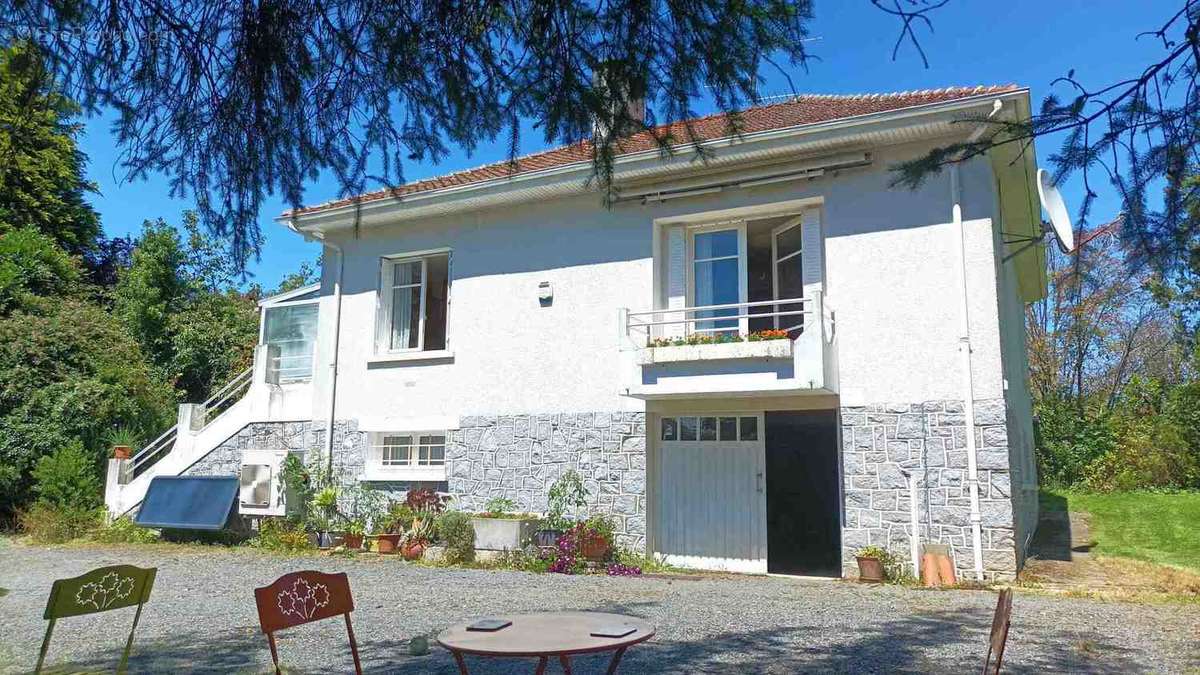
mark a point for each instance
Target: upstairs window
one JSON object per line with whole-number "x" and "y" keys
{"x": 414, "y": 294}
{"x": 291, "y": 332}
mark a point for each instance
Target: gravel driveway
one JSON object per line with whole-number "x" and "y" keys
{"x": 201, "y": 618}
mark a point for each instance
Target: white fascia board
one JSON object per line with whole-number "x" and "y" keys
{"x": 294, "y": 293}
{"x": 573, "y": 178}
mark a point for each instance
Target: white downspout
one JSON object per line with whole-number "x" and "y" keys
{"x": 914, "y": 522}
{"x": 964, "y": 350}
{"x": 333, "y": 362}
{"x": 337, "y": 332}
{"x": 968, "y": 378}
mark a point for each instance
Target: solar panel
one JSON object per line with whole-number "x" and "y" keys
{"x": 188, "y": 502}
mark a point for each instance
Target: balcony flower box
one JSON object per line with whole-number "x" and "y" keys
{"x": 763, "y": 349}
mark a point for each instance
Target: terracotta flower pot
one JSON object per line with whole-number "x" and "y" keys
{"x": 870, "y": 569}
{"x": 930, "y": 575}
{"x": 122, "y": 452}
{"x": 412, "y": 550}
{"x": 594, "y": 548}
{"x": 353, "y": 541}
{"x": 386, "y": 543}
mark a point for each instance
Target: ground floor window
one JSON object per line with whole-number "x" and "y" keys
{"x": 407, "y": 455}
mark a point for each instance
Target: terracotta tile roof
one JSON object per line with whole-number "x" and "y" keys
{"x": 796, "y": 111}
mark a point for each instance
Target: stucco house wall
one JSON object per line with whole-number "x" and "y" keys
{"x": 890, "y": 276}
{"x": 531, "y": 389}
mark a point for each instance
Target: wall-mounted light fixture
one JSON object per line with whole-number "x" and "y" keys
{"x": 545, "y": 293}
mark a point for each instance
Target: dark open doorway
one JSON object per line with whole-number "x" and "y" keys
{"x": 803, "y": 494}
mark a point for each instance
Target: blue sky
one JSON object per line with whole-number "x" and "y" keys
{"x": 1026, "y": 42}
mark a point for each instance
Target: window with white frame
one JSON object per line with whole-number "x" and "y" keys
{"x": 291, "y": 329}
{"x": 401, "y": 451}
{"x": 414, "y": 301}
{"x": 717, "y": 270}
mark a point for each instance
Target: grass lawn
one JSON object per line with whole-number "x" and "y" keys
{"x": 1159, "y": 528}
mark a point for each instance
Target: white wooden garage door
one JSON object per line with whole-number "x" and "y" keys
{"x": 711, "y": 492}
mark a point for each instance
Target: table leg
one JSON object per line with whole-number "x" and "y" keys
{"x": 462, "y": 664}
{"x": 565, "y": 661}
{"x": 541, "y": 667}
{"x": 616, "y": 659}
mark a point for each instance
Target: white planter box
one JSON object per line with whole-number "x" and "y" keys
{"x": 502, "y": 534}
{"x": 764, "y": 349}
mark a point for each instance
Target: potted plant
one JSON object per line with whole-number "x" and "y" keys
{"x": 871, "y": 563}
{"x": 500, "y": 528}
{"x": 392, "y": 527}
{"x": 355, "y": 528}
{"x": 417, "y": 537}
{"x": 567, "y": 494}
{"x": 594, "y": 538}
{"x": 123, "y": 441}
{"x": 366, "y": 506}
{"x": 322, "y": 514}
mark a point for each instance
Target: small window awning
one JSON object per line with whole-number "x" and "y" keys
{"x": 188, "y": 502}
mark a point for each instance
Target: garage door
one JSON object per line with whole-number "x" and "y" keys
{"x": 711, "y": 500}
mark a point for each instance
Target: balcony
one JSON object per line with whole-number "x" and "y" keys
{"x": 707, "y": 351}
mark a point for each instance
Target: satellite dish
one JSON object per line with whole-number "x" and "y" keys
{"x": 1060, "y": 220}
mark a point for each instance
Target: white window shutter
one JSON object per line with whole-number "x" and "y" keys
{"x": 814, "y": 259}
{"x": 676, "y": 279}
{"x": 382, "y": 330}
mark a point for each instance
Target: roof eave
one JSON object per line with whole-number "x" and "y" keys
{"x": 575, "y": 175}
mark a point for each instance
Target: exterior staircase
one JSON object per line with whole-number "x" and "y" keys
{"x": 201, "y": 428}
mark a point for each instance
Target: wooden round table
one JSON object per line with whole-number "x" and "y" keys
{"x": 561, "y": 634}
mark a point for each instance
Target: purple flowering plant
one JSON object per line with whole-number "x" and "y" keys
{"x": 566, "y": 558}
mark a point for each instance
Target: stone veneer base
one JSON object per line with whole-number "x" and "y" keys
{"x": 520, "y": 456}
{"x": 928, "y": 440}
{"x": 514, "y": 456}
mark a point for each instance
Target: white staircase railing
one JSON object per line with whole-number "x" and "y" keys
{"x": 196, "y": 417}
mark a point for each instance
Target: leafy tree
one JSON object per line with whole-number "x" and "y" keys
{"x": 67, "y": 478}
{"x": 32, "y": 264}
{"x": 69, "y": 371}
{"x": 1069, "y": 443}
{"x": 1102, "y": 322}
{"x": 105, "y": 261}
{"x": 1114, "y": 383}
{"x": 212, "y": 339}
{"x": 42, "y": 184}
{"x": 1153, "y": 448}
{"x": 176, "y": 299}
{"x": 153, "y": 288}
{"x": 306, "y": 274}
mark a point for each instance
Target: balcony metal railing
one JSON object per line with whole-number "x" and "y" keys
{"x": 717, "y": 318}
{"x": 212, "y": 408}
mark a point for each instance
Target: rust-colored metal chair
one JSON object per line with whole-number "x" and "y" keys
{"x": 303, "y": 597}
{"x": 1000, "y": 622}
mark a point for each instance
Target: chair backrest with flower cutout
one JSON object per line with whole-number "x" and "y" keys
{"x": 298, "y": 598}
{"x": 100, "y": 590}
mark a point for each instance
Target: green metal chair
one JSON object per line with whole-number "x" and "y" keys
{"x": 101, "y": 590}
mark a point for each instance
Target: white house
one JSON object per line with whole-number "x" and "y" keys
{"x": 486, "y": 330}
